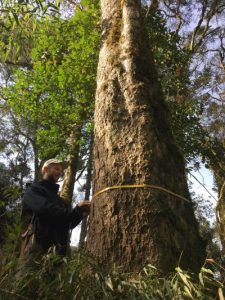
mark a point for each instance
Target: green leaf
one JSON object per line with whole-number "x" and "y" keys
{"x": 108, "y": 282}
{"x": 185, "y": 279}
{"x": 188, "y": 292}
{"x": 204, "y": 270}
{"x": 201, "y": 279}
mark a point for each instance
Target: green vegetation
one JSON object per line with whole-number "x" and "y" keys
{"x": 79, "y": 277}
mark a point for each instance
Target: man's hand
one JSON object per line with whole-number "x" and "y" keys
{"x": 85, "y": 207}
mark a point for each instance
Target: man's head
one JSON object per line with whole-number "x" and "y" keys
{"x": 53, "y": 169}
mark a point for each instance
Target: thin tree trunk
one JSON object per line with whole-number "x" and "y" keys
{"x": 134, "y": 145}
{"x": 36, "y": 163}
{"x": 73, "y": 159}
{"x": 84, "y": 223}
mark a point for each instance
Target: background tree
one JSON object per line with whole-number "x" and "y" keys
{"x": 194, "y": 91}
{"x": 9, "y": 202}
{"x": 58, "y": 89}
{"x": 87, "y": 188}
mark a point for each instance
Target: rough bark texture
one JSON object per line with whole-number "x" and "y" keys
{"x": 134, "y": 145}
{"x": 83, "y": 231}
{"x": 70, "y": 173}
{"x": 220, "y": 209}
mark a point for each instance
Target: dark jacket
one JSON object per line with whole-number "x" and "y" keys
{"x": 52, "y": 216}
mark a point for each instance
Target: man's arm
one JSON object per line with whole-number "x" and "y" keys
{"x": 38, "y": 201}
{"x": 84, "y": 207}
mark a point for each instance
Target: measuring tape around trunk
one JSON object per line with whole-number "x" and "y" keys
{"x": 133, "y": 186}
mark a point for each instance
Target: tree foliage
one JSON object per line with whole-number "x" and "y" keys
{"x": 57, "y": 90}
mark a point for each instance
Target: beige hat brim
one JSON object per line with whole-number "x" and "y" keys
{"x": 51, "y": 161}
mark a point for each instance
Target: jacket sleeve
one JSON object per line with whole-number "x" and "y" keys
{"x": 39, "y": 203}
{"x": 78, "y": 216}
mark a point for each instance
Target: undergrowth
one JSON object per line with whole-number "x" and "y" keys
{"x": 79, "y": 277}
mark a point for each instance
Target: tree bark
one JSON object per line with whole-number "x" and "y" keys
{"x": 84, "y": 223}
{"x": 134, "y": 145}
{"x": 36, "y": 163}
{"x": 220, "y": 208}
{"x": 216, "y": 160}
{"x": 73, "y": 159}
{"x": 33, "y": 141}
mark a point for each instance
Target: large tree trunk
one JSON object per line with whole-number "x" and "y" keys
{"x": 220, "y": 208}
{"x": 73, "y": 159}
{"x": 134, "y": 145}
{"x": 216, "y": 161}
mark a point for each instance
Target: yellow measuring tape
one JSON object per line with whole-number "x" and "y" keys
{"x": 133, "y": 186}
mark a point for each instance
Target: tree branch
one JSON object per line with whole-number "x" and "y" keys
{"x": 22, "y": 64}
{"x": 200, "y": 21}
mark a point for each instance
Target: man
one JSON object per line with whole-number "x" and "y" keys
{"x": 52, "y": 218}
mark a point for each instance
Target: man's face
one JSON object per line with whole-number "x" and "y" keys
{"x": 53, "y": 172}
